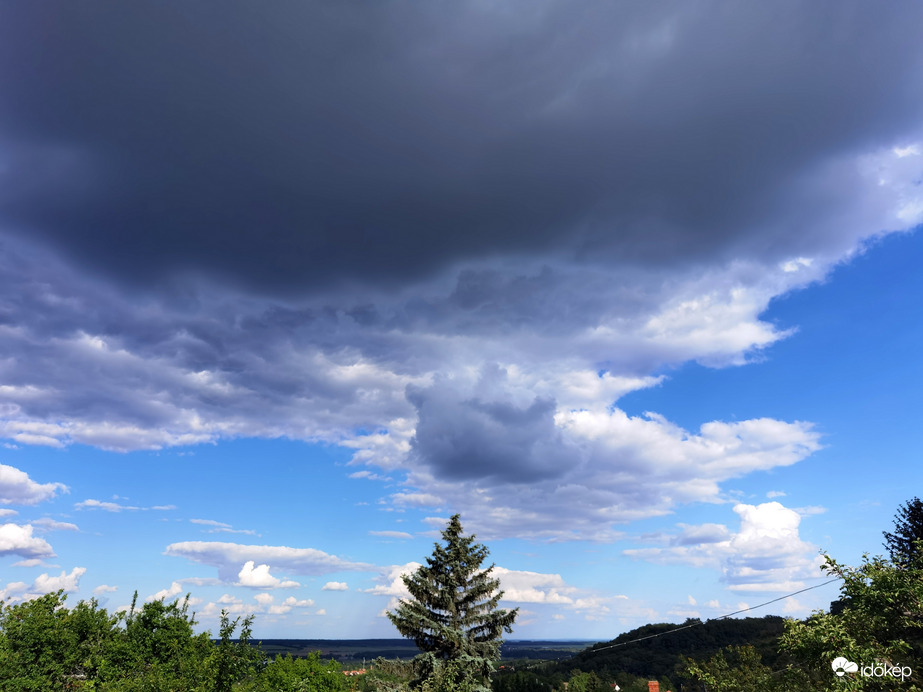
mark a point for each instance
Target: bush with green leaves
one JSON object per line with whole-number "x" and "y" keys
{"x": 878, "y": 621}
{"x": 586, "y": 682}
{"x": 45, "y": 646}
{"x": 288, "y": 674}
{"x": 733, "y": 669}
{"x": 387, "y": 675}
{"x": 881, "y": 621}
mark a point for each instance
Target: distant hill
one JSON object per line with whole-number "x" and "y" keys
{"x": 653, "y": 658}
{"x": 351, "y": 650}
{"x": 341, "y": 649}
{"x": 658, "y": 656}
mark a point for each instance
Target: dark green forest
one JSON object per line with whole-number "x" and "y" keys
{"x": 658, "y": 656}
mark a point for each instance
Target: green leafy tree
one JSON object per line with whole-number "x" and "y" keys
{"x": 44, "y": 646}
{"x": 881, "y": 622}
{"x": 93, "y": 633}
{"x": 36, "y": 644}
{"x": 452, "y": 614}
{"x": 586, "y": 682}
{"x": 903, "y": 544}
{"x": 230, "y": 661}
{"x": 734, "y": 669}
{"x": 288, "y": 674}
{"x": 159, "y": 650}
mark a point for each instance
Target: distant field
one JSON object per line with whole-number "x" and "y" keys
{"x": 353, "y": 650}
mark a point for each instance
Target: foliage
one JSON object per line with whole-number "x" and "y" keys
{"x": 877, "y": 625}
{"x": 230, "y": 661}
{"x": 288, "y": 674}
{"x": 521, "y": 681}
{"x": 386, "y": 675}
{"x": 658, "y": 656}
{"x": 45, "y": 646}
{"x": 158, "y": 649}
{"x": 586, "y": 682}
{"x": 908, "y": 530}
{"x": 451, "y": 676}
{"x": 452, "y": 615}
{"x": 733, "y": 669}
{"x": 881, "y": 621}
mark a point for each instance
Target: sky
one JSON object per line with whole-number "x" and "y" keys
{"x": 631, "y": 287}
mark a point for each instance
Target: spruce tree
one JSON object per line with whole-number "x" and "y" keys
{"x": 908, "y": 531}
{"x": 452, "y": 615}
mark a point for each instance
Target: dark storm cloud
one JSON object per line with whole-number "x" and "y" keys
{"x": 289, "y": 145}
{"x": 487, "y": 436}
{"x": 82, "y": 363}
{"x": 562, "y": 199}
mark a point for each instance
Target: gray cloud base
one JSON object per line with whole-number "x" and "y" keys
{"x": 448, "y": 236}
{"x": 299, "y": 145}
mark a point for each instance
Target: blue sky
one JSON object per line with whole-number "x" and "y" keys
{"x": 634, "y": 290}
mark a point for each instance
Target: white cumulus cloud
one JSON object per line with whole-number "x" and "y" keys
{"x": 68, "y": 581}
{"x": 16, "y": 488}
{"x": 174, "y": 589}
{"x": 18, "y": 540}
{"x": 765, "y": 554}
{"x": 258, "y": 577}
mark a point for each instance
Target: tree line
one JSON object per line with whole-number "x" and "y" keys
{"x": 870, "y": 639}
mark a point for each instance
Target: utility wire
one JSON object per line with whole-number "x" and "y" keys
{"x": 788, "y": 595}
{"x": 720, "y": 617}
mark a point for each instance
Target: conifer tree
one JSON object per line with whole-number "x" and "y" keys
{"x": 908, "y": 531}
{"x": 452, "y": 615}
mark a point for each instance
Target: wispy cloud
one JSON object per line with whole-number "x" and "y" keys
{"x": 48, "y": 524}
{"x": 221, "y": 527}
{"x": 229, "y": 558}
{"x": 391, "y": 534}
{"x": 108, "y": 506}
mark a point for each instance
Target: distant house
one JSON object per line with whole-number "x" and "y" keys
{"x": 653, "y": 686}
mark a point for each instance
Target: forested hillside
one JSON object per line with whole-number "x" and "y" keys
{"x": 657, "y": 656}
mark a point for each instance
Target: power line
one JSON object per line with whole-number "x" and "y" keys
{"x": 788, "y": 595}
{"x": 720, "y": 617}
